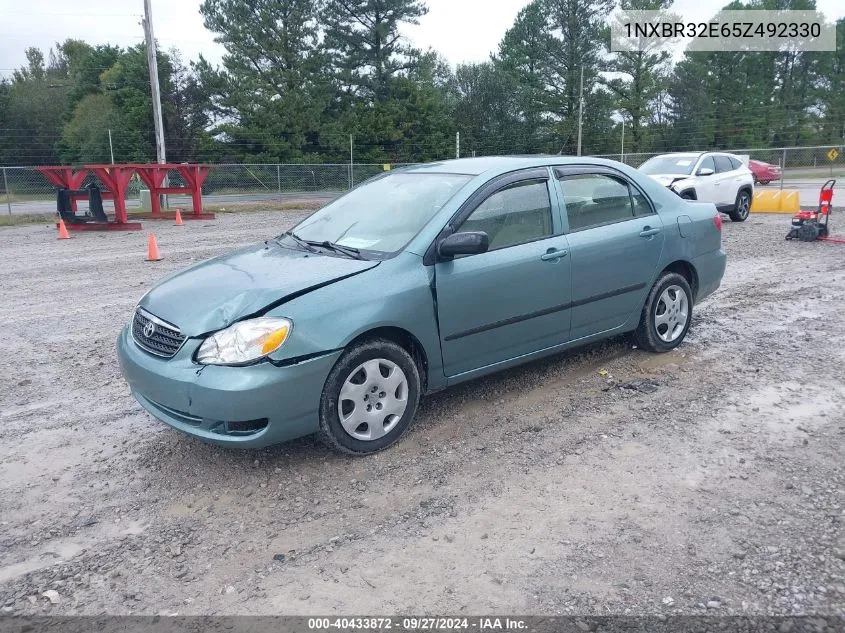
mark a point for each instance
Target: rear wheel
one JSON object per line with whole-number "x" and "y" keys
{"x": 666, "y": 315}
{"x": 688, "y": 195}
{"x": 742, "y": 207}
{"x": 369, "y": 398}
{"x": 765, "y": 182}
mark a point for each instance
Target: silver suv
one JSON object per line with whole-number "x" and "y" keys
{"x": 717, "y": 177}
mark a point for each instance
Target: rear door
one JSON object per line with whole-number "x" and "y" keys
{"x": 515, "y": 298}
{"x": 729, "y": 180}
{"x": 615, "y": 242}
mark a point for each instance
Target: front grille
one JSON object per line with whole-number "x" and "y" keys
{"x": 165, "y": 339}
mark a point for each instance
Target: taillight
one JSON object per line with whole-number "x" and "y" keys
{"x": 717, "y": 220}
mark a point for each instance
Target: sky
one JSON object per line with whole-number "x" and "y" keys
{"x": 461, "y": 30}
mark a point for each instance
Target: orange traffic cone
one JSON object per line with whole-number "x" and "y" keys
{"x": 152, "y": 249}
{"x": 63, "y": 235}
{"x": 178, "y": 217}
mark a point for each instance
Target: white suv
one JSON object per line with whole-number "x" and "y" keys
{"x": 717, "y": 177}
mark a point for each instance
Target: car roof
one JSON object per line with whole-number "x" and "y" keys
{"x": 696, "y": 154}
{"x": 680, "y": 155}
{"x": 485, "y": 164}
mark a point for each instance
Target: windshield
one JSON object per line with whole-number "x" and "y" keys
{"x": 669, "y": 165}
{"x": 382, "y": 215}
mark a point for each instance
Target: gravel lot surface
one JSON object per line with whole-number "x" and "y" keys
{"x": 708, "y": 480}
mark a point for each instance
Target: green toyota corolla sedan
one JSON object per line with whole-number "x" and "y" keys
{"x": 416, "y": 280}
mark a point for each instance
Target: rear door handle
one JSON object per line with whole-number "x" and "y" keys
{"x": 552, "y": 255}
{"x": 648, "y": 232}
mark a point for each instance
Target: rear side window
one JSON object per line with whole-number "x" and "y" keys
{"x": 641, "y": 204}
{"x": 595, "y": 199}
{"x": 723, "y": 163}
{"x": 735, "y": 163}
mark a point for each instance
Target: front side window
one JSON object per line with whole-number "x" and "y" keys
{"x": 707, "y": 163}
{"x": 383, "y": 215}
{"x": 595, "y": 199}
{"x": 514, "y": 215}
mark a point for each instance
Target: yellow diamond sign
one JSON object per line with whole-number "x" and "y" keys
{"x": 833, "y": 154}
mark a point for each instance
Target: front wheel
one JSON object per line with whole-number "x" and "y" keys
{"x": 742, "y": 207}
{"x": 370, "y": 397}
{"x": 667, "y": 314}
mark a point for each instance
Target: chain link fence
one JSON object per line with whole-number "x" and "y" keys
{"x": 26, "y": 190}
{"x": 23, "y": 190}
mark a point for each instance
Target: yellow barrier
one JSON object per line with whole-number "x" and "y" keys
{"x": 776, "y": 201}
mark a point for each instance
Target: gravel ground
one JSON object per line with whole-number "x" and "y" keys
{"x": 608, "y": 481}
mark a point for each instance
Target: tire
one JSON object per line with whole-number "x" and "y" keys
{"x": 363, "y": 367}
{"x": 650, "y": 335}
{"x": 808, "y": 232}
{"x": 687, "y": 195}
{"x": 742, "y": 206}
{"x": 765, "y": 182}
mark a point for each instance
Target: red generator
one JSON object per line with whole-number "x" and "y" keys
{"x": 809, "y": 226}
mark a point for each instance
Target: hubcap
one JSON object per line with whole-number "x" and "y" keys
{"x": 743, "y": 205}
{"x": 671, "y": 314}
{"x": 373, "y": 399}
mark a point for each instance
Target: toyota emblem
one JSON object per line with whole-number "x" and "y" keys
{"x": 149, "y": 329}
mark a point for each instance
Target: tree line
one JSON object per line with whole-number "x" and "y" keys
{"x": 300, "y": 77}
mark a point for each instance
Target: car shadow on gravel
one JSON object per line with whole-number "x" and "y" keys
{"x": 204, "y": 462}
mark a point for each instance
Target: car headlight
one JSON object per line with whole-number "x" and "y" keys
{"x": 244, "y": 341}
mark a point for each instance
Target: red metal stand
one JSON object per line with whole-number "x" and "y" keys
{"x": 65, "y": 178}
{"x": 116, "y": 179}
{"x": 103, "y": 226}
{"x": 194, "y": 177}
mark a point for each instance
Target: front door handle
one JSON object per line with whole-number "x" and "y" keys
{"x": 648, "y": 232}
{"x": 553, "y": 254}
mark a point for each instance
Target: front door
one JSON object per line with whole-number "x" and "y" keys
{"x": 615, "y": 243}
{"x": 513, "y": 299}
{"x": 708, "y": 188}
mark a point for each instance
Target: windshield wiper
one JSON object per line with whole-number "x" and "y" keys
{"x": 354, "y": 253}
{"x": 308, "y": 246}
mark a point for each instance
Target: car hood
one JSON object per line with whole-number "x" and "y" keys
{"x": 215, "y": 293}
{"x": 668, "y": 179}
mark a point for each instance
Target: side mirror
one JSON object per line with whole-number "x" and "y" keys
{"x": 466, "y": 243}
{"x": 705, "y": 171}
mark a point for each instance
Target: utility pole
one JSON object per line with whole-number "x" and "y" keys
{"x": 457, "y": 144}
{"x": 622, "y": 156}
{"x": 8, "y": 193}
{"x": 154, "y": 86}
{"x": 580, "y": 110}
{"x": 351, "y": 165}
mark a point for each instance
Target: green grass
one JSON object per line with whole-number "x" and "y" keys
{"x": 15, "y": 198}
{"x": 268, "y": 205}
{"x": 838, "y": 172}
{"x": 18, "y": 219}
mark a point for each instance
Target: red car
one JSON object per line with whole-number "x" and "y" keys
{"x": 764, "y": 173}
